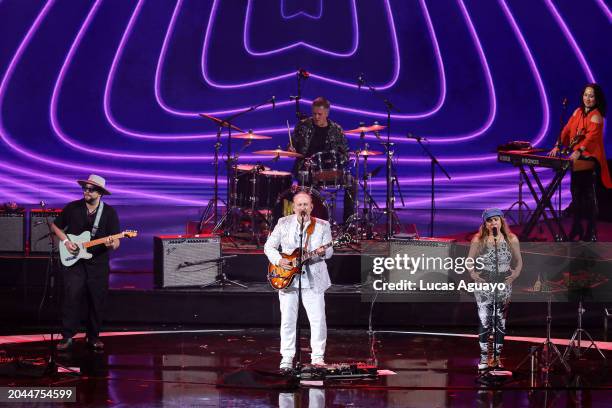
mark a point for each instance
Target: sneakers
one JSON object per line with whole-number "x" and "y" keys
{"x": 95, "y": 344}
{"x": 64, "y": 344}
{"x": 286, "y": 364}
{"x": 483, "y": 364}
{"x": 317, "y": 362}
{"x": 497, "y": 363}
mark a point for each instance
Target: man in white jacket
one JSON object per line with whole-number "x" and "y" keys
{"x": 315, "y": 278}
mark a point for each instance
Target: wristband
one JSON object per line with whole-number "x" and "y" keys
{"x": 64, "y": 241}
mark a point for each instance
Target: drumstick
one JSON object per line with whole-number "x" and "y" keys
{"x": 289, "y": 133}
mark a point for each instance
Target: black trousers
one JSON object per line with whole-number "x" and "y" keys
{"x": 584, "y": 200}
{"x": 85, "y": 288}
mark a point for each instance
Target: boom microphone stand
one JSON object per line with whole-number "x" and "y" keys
{"x": 49, "y": 293}
{"x": 434, "y": 162}
{"x": 298, "y": 352}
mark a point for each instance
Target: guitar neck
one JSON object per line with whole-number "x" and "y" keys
{"x": 102, "y": 240}
{"x": 310, "y": 254}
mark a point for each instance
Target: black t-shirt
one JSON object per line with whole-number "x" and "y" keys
{"x": 75, "y": 220}
{"x": 318, "y": 143}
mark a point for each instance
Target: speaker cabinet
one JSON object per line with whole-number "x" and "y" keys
{"x": 39, "y": 230}
{"x": 12, "y": 231}
{"x": 186, "y": 260}
{"x": 432, "y": 253}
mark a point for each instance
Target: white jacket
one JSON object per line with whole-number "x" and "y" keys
{"x": 284, "y": 235}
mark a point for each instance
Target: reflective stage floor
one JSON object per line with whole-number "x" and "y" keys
{"x": 184, "y": 368}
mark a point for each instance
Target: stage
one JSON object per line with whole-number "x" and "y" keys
{"x": 238, "y": 368}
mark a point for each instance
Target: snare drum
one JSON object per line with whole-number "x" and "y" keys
{"x": 245, "y": 175}
{"x": 270, "y": 184}
{"x": 327, "y": 169}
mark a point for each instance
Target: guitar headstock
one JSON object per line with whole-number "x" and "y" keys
{"x": 130, "y": 233}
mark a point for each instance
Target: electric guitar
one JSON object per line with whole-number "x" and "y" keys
{"x": 280, "y": 278}
{"x": 69, "y": 258}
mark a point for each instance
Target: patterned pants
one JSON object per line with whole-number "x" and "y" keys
{"x": 484, "y": 301}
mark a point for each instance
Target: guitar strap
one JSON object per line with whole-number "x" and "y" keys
{"x": 309, "y": 232}
{"x": 94, "y": 230}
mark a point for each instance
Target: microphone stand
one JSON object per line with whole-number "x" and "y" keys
{"x": 434, "y": 162}
{"x": 231, "y": 195}
{"x": 51, "y": 274}
{"x": 298, "y": 353}
{"x": 390, "y": 197}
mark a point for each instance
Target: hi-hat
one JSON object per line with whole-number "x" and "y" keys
{"x": 251, "y": 136}
{"x": 278, "y": 153}
{"x": 367, "y": 152}
{"x": 220, "y": 122}
{"x": 365, "y": 129}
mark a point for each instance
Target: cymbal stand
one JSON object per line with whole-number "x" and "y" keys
{"x": 231, "y": 193}
{"x": 392, "y": 219}
{"x": 574, "y": 343}
{"x": 548, "y": 346}
{"x": 391, "y": 216}
{"x": 213, "y": 203}
{"x": 301, "y": 74}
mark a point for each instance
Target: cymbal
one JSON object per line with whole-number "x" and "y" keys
{"x": 365, "y": 129}
{"x": 366, "y": 152}
{"x": 251, "y": 136}
{"x": 278, "y": 152}
{"x": 220, "y": 122}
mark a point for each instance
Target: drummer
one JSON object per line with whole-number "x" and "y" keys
{"x": 320, "y": 134}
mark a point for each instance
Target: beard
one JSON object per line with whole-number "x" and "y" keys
{"x": 90, "y": 200}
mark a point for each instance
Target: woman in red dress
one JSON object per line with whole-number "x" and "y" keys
{"x": 583, "y": 137}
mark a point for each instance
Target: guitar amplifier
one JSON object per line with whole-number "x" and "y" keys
{"x": 12, "y": 227}
{"x": 39, "y": 230}
{"x": 186, "y": 260}
{"x": 432, "y": 255}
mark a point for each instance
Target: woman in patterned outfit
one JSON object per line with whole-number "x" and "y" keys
{"x": 509, "y": 263}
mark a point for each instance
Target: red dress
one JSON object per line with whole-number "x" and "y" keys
{"x": 591, "y": 126}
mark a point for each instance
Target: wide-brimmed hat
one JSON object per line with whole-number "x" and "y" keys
{"x": 97, "y": 181}
{"x": 492, "y": 212}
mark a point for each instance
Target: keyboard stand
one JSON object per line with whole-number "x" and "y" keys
{"x": 544, "y": 202}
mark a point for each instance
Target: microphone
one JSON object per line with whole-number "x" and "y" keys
{"x": 303, "y": 73}
{"x": 564, "y": 103}
{"x": 495, "y": 232}
{"x": 360, "y": 81}
{"x": 273, "y": 100}
{"x": 417, "y": 138}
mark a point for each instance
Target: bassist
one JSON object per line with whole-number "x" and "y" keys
{"x": 315, "y": 278}
{"x": 88, "y": 277}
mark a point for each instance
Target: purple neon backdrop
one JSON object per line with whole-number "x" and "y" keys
{"x": 133, "y": 158}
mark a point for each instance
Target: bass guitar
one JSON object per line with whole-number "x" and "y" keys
{"x": 280, "y": 278}
{"x": 83, "y": 241}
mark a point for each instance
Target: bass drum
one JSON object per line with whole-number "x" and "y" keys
{"x": 284, "y": 206}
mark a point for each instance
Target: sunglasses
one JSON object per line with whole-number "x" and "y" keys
{"x": 90, "y": 189}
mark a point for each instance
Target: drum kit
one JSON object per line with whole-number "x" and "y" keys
{"x": 263, "y": 194}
